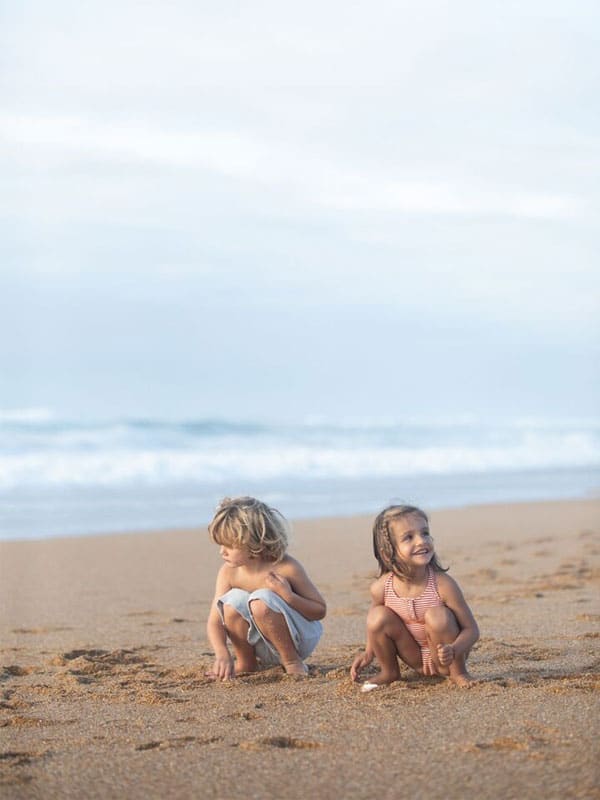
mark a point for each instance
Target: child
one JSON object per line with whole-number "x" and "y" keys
{"x": 264, "y": 600}
{"x": 417, "y": 611}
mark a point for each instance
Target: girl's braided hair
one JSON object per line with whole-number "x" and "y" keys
{"x": 247, "y": 522}
{"x": 383, "y": 544}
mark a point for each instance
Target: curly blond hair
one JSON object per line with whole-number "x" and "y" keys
{"x": 383, "y": 545}
{"x": 247, "y": 522}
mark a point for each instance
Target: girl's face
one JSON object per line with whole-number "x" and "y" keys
{"x": 412, "y": 540}
{"x": 234, "y": 556}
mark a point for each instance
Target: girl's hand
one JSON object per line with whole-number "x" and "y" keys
{"x": 445, "y": 653}
{"x": 223, "y": 669}
{"x": 278, "y": 584}
{"x": 361, "y": 661}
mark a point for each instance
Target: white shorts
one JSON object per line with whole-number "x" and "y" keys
{"x": 305, "y": 633}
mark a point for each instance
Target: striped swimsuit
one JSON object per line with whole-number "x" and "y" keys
{"x": 411, "y": 611}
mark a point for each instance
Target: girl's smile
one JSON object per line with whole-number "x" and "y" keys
{"x": 412, "y": 540}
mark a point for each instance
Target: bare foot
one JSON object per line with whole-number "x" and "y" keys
{"x": 382, "y": 679}
{"x": 296, "y": 668}
{"x": 463, "y": 680}
{"x": 243, "y": 667}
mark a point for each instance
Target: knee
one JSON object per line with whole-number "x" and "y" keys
{"x": 231, "y": 616}
{"x": 439, "y": 619}
{"x": 378, "y": 617}
{"x": 260, "y": 610}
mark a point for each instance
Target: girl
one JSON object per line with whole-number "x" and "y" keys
{"x": 417, "y": 611}
{"x": 264, "y": 602}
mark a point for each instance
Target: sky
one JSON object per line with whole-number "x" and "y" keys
{"x": 291, "y": 210}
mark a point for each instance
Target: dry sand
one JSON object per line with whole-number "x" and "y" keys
{"x": 103, "y": 691}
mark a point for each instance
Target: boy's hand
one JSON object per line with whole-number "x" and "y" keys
{"x": 361, "y": 661}
{"x": 223, "y": 669}
{"x": 445, "y": 654}
{"x": 278, "y": 584}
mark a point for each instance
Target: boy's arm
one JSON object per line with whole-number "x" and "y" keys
{"x": 293, "y": 585}
{"x": 363, "y": 659}
{"x": 215, "y": 630}
{"x": 453, "y": 598}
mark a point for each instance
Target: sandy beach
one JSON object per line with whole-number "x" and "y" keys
{"x": 103, "y": 692}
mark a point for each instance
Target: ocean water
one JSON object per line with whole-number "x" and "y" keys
{"x": 66, "y": 477}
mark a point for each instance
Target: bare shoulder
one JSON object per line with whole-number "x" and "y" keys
{"x": 225, "y": 578}
{"x": 377, "y": 588}
{"x": 226, "y": 571}
{"x": 289, "y": 566}
{"x": 447, "y": 586}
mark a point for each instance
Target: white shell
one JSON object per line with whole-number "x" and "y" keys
{"x": 368, "y": 687}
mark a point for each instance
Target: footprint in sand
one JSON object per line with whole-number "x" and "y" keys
{"x": 142, "y": 614}
{"x": 179, "y": 741}
{"x": 102, "y": 658}
{"x": 245, "y": 715}
{"x": 533, "y": 741}
{"x": 15, "y": 758}
{"x": 587, "y": 683}
{"x": 41, "y": 630}
{"x": 11, "y": 759}
{"x": 502, "y": 743}
{"x": 271, "y": 675}
{"x": 505, "y": 651}
{"x": 283, "y": 742}
{"x": 156, "y": 697}
{"x": 19, "y": 721}
{"x": 15, "y": 671}
{"x": 11, "y": 703}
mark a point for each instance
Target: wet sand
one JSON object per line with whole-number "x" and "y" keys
{"x": 103, "y": 692}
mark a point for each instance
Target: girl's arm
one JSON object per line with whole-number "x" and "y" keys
{"x": 363, "y": 659}
{"x": 215, "y": 630}
{"x": 294, "y": 586}
{"x": 453, "y": 598}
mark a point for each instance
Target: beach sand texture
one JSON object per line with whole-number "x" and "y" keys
{"x": 103, "y": 691}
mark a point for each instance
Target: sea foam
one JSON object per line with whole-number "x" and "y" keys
{"x": 40, "y": 451}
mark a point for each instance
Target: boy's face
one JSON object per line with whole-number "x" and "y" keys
{"x": 234, "y": 556}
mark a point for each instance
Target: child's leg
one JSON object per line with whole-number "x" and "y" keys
{"x": 273, "y": 626}
{"x": 390, "y": 638}
{"x": 442, "y": 628}
{"x": 237, "y": 630}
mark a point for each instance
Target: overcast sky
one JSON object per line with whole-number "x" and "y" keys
{"x": 275, "y": 209}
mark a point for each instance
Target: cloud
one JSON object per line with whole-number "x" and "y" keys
{"x": 319, "y": 181}
{"x": 393, "y": 180}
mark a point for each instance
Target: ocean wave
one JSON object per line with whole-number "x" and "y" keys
{"x": 162, "y": 466}
{"x": 40, "y": 449}
{"x": 39, "y": 419}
